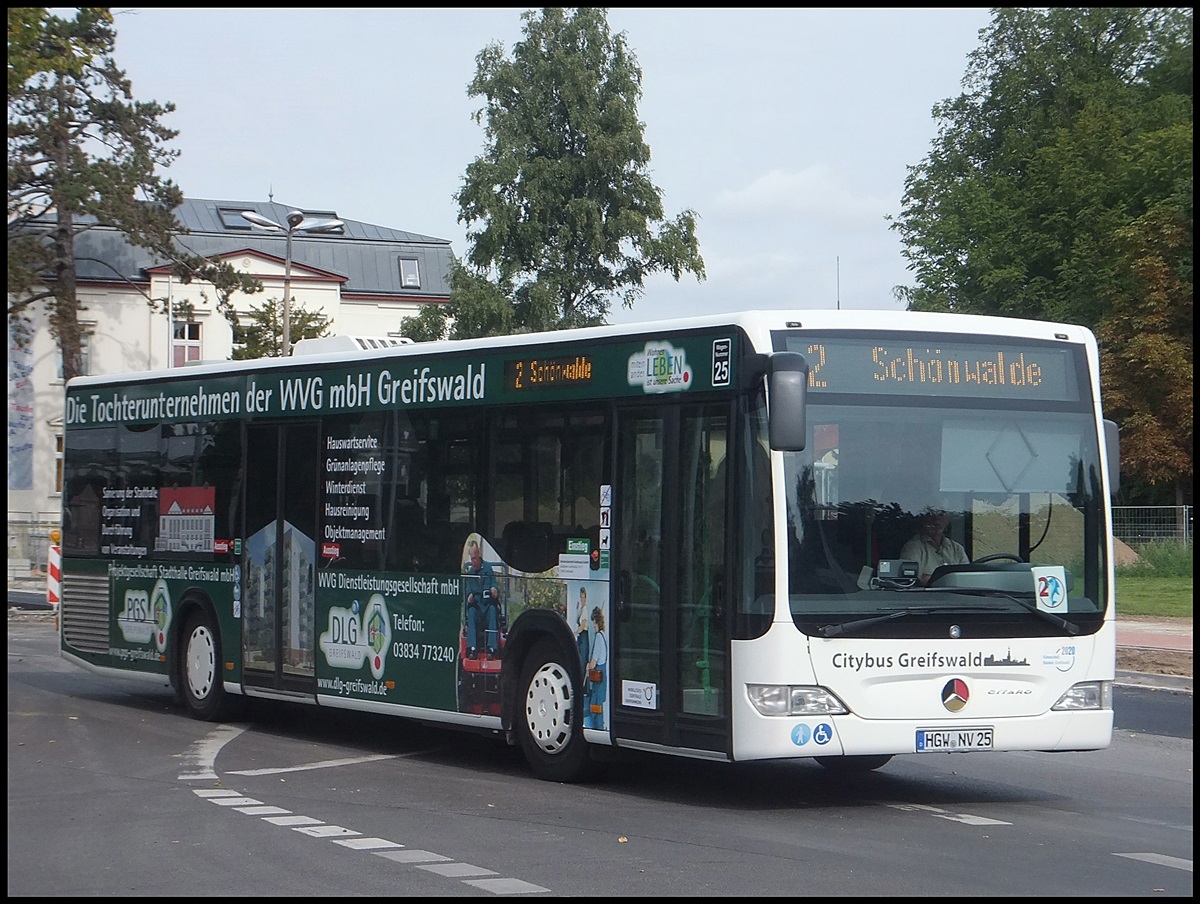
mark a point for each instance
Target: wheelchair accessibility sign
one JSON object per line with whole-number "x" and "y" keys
{"x": 821, "y": 735}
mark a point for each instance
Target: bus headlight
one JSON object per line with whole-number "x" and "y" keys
{"x": 794, "y": 700}
{"x": 1086, "y": 695}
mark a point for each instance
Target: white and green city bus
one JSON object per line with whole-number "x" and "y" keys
{"x": 683, "y": 536}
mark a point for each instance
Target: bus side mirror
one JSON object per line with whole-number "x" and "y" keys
{"x": 787, "y": 393}
{"x": 1112, "y": 444}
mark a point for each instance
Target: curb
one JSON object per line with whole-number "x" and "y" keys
{"x": 1178, "y": 684}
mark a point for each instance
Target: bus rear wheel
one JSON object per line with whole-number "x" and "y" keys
{"x": 198, "y": 681}
{"x": 848, "y": 765}
{"x": 550, "y": 717}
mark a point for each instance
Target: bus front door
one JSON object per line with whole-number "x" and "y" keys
{"x": 670, "y": 675}
{"x": 280, "y": 556}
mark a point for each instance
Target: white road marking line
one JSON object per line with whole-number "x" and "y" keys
{"x": 366, "y": 844}
{"x": 292, "y": 820}
{"x": 458, "y": 870}
{"x": 264, "y": 810}
{"x": 1160, "y": 860}
{"x": 409, "y": 856}
{"x": 201, "y": 756}
{"x": 325, "y": 831}
{"x": 235, "y": 801}
{"x": 506, "y": 886}
{"x": 324, "y": 764}
{"x": 966, "y": 818}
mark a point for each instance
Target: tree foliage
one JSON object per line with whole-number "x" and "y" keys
{"x": 477, "y": 308}
{"x": 562, "y": 216}
{"x": 83, "y": 153}
{"x": 1147, "y": 368}
{"x": 1059, "y": 187}
{"x": 262, "y": 335}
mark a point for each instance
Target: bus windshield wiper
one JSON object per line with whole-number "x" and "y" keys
{"x": 857, "y": 624}
{"x": 1068, "y": 626}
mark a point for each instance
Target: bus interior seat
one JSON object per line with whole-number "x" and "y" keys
{"x": 529, "y": 546}
{"x": 441, "y": 547}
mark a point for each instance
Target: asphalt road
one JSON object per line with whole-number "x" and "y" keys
{"x": 114, "y": 791}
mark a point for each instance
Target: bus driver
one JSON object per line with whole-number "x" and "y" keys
{"x": 930, "y": 547}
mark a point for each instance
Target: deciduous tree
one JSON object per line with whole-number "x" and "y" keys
{"x": 82, "y": 153}
{"x": 563, "y": 218}
{"x": 261, "y": 336}
{"x": 1147, "y": 366}
{"x": 1059, "y": 187}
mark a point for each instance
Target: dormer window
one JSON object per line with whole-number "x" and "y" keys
{"x": 410, "y": 276}
{"x": 232, "y": 218}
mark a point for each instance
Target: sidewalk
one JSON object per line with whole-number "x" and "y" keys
{"x": 1167, "y": 634}
{"x": 1154, "y": 638}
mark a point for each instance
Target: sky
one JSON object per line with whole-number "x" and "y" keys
{"x": 789, "y": 132}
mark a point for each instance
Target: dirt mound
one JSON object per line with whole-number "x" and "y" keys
{"x": 1156, "y": 662}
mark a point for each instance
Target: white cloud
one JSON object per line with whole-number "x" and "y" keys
{"x": 787, "y": 130}
{"x": 818, "y": 193}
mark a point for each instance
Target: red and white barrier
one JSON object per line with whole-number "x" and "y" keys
{"x": 54, "y": 576}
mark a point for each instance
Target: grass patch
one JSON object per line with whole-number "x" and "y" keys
{"x": 1159, "y": 584}
{"x": 1162, "y": 559}
{"x": 1160, "y": 597}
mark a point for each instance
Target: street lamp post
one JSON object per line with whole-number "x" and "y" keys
{"x": 296, "y": 222}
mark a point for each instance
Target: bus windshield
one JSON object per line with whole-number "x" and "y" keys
{"x": 1016, "y": 492}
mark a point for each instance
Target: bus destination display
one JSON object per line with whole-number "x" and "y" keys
{"x": 904, "y": 366}
{"x": 522, "y": 374}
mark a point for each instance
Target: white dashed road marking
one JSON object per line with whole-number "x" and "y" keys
{"x": 1160, "y": 860}
{"x": 325, "y": 831}
{"x": 411, "y": 856}
{"x": 366, "y": 844}
{"x": 201, "y": 758}
{"x": 454, "y": 870}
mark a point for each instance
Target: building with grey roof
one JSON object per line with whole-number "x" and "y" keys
{"x": 364, "y": 277}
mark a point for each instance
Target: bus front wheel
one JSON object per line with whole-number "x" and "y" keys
{"x": 198, "y": 681}
{"x": 550, "y": 717}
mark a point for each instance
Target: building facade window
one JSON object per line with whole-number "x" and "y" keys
{"x": 185, "y": 347}
{"x": 410, "y": 274}
{"x": 85, "y": 347}
{"x": 58, "y": 464}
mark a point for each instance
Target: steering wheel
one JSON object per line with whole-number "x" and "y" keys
{"x": 996, "y": 557}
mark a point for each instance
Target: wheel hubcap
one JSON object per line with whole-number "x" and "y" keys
{"x": 201, "y": 663}
{"x": 549, "y": 706}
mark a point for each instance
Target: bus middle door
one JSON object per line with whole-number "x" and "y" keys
{"x": 670, "y": 684}
{"x": 280, "y": 556}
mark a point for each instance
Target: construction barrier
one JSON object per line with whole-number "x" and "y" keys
{"x": 54, "y": 576}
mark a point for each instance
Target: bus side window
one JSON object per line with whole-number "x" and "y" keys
{"x": 529, "y": 546}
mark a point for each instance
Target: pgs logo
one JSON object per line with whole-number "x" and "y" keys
{"x": 146, "y": 617}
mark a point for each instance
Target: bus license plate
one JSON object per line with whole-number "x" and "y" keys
{"x": 932, "y": 740}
